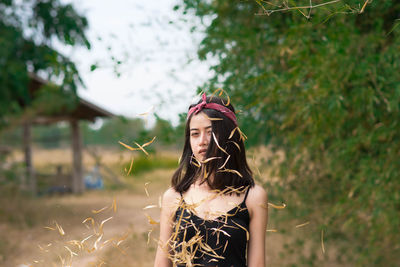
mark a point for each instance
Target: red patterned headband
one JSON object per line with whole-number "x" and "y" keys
{"x": 224, "y": 110}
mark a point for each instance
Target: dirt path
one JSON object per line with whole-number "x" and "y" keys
{"x": 128, "y": 223}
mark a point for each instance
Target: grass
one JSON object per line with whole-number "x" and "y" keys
{"x": 148, "y": 163}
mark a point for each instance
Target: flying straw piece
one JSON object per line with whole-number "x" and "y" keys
{"x": 84, "y": 240}
{"x": 363, "y": 7}
{"x": 148, "y": 236}
{"x": 247, "y": 232}
{"x": 130, "y": 167}
{"x": 90, "y": 250}
{"x": 49, "y": 228}
{"x": 242, "y": 135}
{"x": 272, "y": 230}
{"x": 108, "y": 241}
{"x": 75, "y": 243}
{"x": 150, "y": 142}
{"x": 209, "y": 159}
{"x": 236, "y": 144}
{"x": 60, "y": 229}
{"x": 205, "y": 174}
{"x": 220, "y": 230}
{"x": 147, "y": 112}
{"x": 276, "y": 206}
{"x": 232, "y": 133}
{"x": 216, "y": 142}
{"x": 151, "y": 221}
{"x": 150, "y": 207}
{"x": 219, "y": 90}
{"x": 230, "y": 190}
{"x": 322, "y": 241}
{"x": 226, "y": 161}
{"x": 141, "y": 148}
{"x": 231, "y": 171}
{"x": 97, "y": 241}
{"x": 127, "y": 146}
{"x": 62, "y": 260}
{"x": 229, "y": 100}
{"x": 301, "y": 225}
{"x": 197, "y": 163}
{"x": 71, "y": 252}
{"x": 100, "y": 210}
{"x": 213, "y": 119}
{"x": 89, "y": 219}
{"x": 145, "y": 189}
{"x": 122, "y": 239}
{"x": 102, "y": 223}
{"x": 114, "y": 205}
{"x": 226, "y": 244}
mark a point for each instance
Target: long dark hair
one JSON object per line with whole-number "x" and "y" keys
{"x": 228, "y": 176}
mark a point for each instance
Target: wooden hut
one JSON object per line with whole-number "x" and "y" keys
{"x": 82, "y": 110}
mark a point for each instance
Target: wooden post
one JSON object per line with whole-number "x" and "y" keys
{"x": 30, "y": 180}
{"x": 77, "y": 175}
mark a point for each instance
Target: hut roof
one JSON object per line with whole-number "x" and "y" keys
{"x": 82, "y": 110}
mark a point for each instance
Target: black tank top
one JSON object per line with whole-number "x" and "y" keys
{"x": 219, "y": 242}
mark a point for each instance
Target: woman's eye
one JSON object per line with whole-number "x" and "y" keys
{"x": 195, "y": 134}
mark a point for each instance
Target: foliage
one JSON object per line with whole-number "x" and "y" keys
{"x": 326, "y": 91}
{"x": 29, "y": 32}
{"x": 166, "y": 133}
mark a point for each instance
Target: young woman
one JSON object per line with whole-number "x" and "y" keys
{"x": 214, "y": 214}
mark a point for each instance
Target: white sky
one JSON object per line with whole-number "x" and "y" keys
{"x": 154, "y": 54}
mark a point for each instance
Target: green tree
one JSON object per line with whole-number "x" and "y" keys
{"x": 165, "y": 132}
{"x": 326, "y": 91}
{"x": 29, "y": 32}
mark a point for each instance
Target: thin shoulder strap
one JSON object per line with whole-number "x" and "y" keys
{"x": 182, "y": 199}
{"x": 247, "y": 192}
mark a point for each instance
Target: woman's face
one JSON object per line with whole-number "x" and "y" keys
{"x": 200, "y": 134}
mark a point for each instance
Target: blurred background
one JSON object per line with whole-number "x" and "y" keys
{"x": 93, "y": 96}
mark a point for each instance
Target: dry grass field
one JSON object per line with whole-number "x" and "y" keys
{"x": 25, "y": 240}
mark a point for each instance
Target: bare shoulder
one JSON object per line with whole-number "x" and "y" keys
{"x": 257, "y": 197}
{"x": 170, "y": 198}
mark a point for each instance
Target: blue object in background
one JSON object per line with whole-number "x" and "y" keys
{"x": 94, "y": 180}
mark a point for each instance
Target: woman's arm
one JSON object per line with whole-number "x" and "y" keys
{"x": 257, "y": 203}
{"x": 169, "y": 204}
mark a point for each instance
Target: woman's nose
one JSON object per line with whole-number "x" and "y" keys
{"x": 203, "y": 139}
